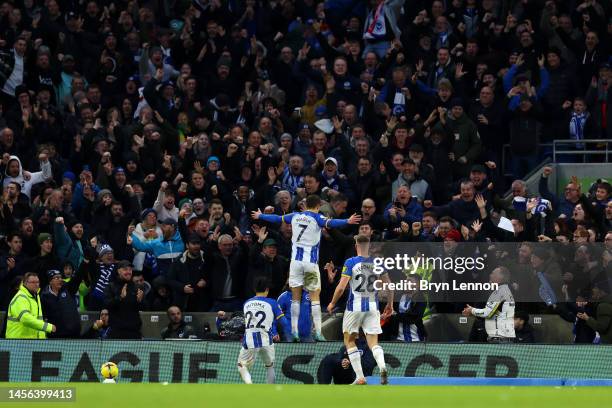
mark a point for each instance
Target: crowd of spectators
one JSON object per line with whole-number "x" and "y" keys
{"x": 136, "y": 138}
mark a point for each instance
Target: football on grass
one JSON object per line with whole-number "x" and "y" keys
{"x": 109, "y": 370}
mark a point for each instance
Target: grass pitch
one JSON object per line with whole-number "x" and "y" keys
{"x": 317, "y": 396}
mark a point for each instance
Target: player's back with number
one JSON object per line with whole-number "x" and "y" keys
{"x": 362, "y": 295}
{"x": 306, "y": 235}
{"x": 259, "y": 316}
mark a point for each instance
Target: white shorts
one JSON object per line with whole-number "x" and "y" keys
{"x": 368, "y": 321}
{"x": 246, "y": 358}
{"x": 304, "y": 274}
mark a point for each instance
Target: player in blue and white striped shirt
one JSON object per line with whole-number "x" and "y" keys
{"x": 362, "y": 307}
{"x": 260, "y": 313}
{"x": 304, "y": 267}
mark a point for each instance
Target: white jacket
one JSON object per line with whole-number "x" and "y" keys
{"x": 26, "y": 185}
{"x": 498, "y": 313}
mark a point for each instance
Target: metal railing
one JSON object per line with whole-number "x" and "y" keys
{"x": 570, "y": 147}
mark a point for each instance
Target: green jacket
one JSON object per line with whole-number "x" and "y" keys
{"x": 603, "y": 323}
{"x": 25, "y": 318}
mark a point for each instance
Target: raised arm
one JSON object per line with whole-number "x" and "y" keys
{"x": 272, "y": 218}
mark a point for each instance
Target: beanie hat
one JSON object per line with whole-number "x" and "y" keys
{"x": 184, "y": 201}
{"x": 146, "y": 212}
{"x": 104, "y": 192}
{"x": 104, "y": 249}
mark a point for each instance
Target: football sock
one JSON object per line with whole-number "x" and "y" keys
{"x": 244, "y": 373}
{"x": 379, "y": 356}
{"x": 355, "y": 356}
{"x": 316, "y": 316}
{"x": 295, "y": 315}
{"x": 270, "y": 375}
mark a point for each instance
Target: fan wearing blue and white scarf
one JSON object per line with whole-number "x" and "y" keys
{"x": 576, "y": 127}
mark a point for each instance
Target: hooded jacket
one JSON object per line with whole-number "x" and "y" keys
{"x": 166, "y": 251}
{"x": 26, "y": 185}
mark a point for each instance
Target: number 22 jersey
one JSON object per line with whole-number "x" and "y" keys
{"x": 259, "y": 316}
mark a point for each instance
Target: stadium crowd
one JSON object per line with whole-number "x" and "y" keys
{"x": 137, "y": 137}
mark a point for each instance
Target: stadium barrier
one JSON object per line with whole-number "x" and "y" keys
{"x": 441, "y": 327}
{"x": 215, "y": 362}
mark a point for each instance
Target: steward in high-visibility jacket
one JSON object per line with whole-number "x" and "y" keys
{"x": 25, "y": 317}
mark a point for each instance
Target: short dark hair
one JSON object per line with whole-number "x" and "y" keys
{"x": 17, "y": 185}
{"x": 430, "y": 214}
{"x": 28, "y": 275}
{"x": 337, "y": 198}
{"x": 446, "y": 218}
{"x": 260, "y": 284}
{"x": 215, "y": 201}
{"x": 362, "y": 239}
{"x": 313, "y": 201}
{"x": 12, "y": 235}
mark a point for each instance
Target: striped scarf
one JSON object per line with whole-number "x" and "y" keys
{"x": 576, "y": 127}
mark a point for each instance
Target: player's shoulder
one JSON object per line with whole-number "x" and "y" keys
{"x": 351, "y": 261}
{"x": 283, "y": 296}
{"x": 315, "y": 215}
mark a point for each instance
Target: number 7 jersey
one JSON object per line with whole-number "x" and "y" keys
{"x": 306, "y": 232}
{"x": 362, "y": 295}
{"x": 259, "y": 316}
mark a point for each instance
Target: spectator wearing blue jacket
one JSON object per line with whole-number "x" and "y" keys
{"x": 166, "y": 249}
{"x": 523, "y": 84}
{"x": 572, "y": 195}
{"x": 464, "y": 209}
{"x": 332, "y": 182}
{"x": 84, "y": 187}
{"x": 405, "y": 208}
{"x": 305, "y": 321}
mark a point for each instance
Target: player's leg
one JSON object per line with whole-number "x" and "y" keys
{"x": 354, "y": 356}
{"x": 267, "y": 356}
{"x": 296, "y": 282}
{"x": 246, "y": 358}
{"x": 371, "y": 328}
{"x": 312, "y": 279}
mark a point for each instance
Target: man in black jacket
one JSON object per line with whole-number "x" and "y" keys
{"x": 225, "y": 273}
{"x": 186, "y": 278}
{"x": 60, "y": 302}
{"x": 177, "y": 328}
{"x": 123, "y": 300}
{"x": 265, "y": 261}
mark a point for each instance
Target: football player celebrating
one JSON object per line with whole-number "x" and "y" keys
{"x": 362, "y": 308}
{"x": 304, "y": 267}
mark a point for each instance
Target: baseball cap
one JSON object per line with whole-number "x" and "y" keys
{"x": 44, "y": 236}
{"x": 169, "y": 221}
{"x": 416, "y": 148}
{"x": 333, "y": 160}
{"x": 194, "y": 239}
{"x": 269, "y": 242}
